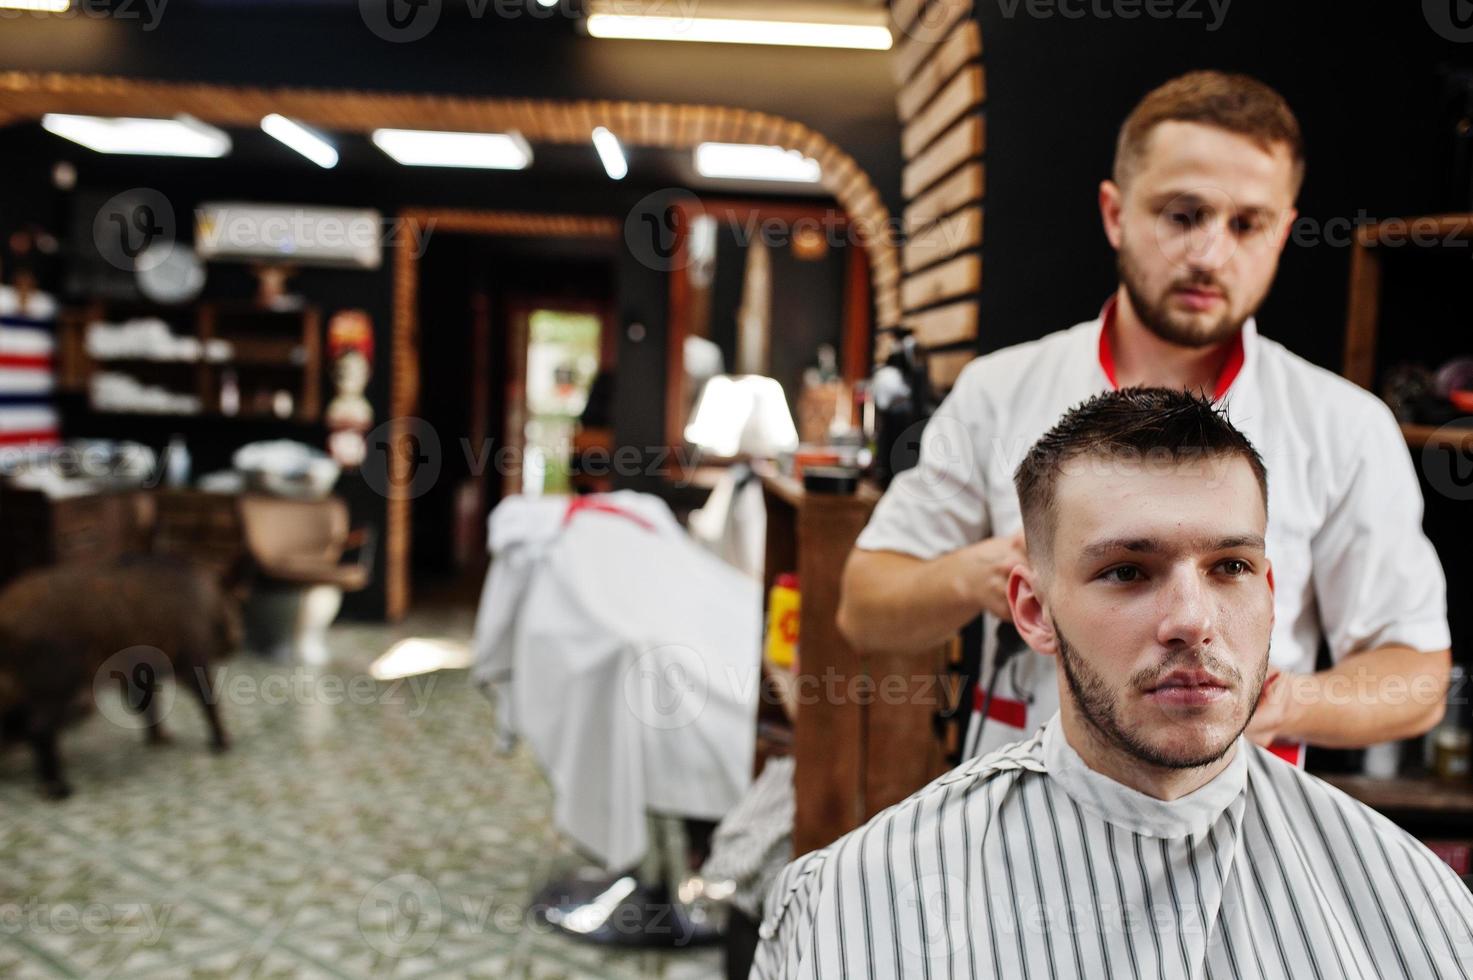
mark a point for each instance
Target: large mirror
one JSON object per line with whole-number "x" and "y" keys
{"x": 777, "y": 289}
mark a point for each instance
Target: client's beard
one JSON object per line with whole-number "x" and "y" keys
{"x": 1097, "y": 704}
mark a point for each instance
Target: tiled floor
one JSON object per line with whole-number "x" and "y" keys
{"x": 355, "y": 829}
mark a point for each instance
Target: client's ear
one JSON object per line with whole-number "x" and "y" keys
{"x": 1030, "y": 610}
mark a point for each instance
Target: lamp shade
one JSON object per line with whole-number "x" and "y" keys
{"x": 742, "y": 415}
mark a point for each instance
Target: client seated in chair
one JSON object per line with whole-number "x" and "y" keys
{"x": 1138, "y": 833}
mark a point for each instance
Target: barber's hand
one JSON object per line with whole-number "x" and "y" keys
{"x": 994, "y": 559}
{"x": 1276, "y": 708}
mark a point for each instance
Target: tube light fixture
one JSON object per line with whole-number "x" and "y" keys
{"x": 732, "y": 30}
{"x": 746, "y": 161}
{"x": 611, "y": 153}
{"x": 306, "y": 141}
{"x": 178, "y": 137}
{"x": 45, "y": 6}
{"x": 431, "y": 148}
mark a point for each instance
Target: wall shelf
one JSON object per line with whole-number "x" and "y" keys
{"x": 272, "y": 350}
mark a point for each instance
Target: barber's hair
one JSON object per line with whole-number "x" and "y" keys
{"x": 1237, "y": 103}
{"x": 1140, "y": 427}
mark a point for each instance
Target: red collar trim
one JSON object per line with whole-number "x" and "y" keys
{"x": 1225, "y": 378}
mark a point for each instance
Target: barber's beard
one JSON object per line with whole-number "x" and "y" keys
{"x": 1098, "y": 704}
{"x": 1160, "y": 320}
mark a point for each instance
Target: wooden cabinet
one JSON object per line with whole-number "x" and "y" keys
{"x": 862, "y": 727}
{"x": 37, "y": 530}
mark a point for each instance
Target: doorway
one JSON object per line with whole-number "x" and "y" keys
{"x": 513, "y": 334}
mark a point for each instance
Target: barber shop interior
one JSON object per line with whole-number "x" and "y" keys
{"x": 723, "y": 489}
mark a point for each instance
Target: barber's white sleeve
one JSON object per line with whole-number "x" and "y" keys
{"x": 940, "y": 504}
{"x": 1377, "y": 578}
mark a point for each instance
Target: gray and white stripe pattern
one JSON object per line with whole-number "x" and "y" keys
{"x": 1027, "y": 864}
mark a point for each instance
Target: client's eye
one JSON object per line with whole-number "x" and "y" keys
{"x": 1235, "y": 567}
{"x": 1121, "y": 573}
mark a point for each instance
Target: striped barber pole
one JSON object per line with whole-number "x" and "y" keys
{"x": 28, "y": 415}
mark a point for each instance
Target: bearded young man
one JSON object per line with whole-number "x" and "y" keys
{"x": 1199, "y": 208}
{"x": 1138, "y": 834}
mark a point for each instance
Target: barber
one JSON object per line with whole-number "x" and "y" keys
{"x": 1198, "y": 209}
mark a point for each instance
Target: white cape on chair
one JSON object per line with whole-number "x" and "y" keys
{"x": 628, "y": 658}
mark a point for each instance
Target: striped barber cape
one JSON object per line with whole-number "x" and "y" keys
{"x": 1027, "y": 863}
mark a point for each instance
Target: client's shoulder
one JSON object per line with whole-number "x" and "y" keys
{"x": 967, "y": 797}
{"x": 1311, "y": 806}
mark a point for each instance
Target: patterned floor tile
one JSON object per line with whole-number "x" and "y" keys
{"x": 355, "y": 829}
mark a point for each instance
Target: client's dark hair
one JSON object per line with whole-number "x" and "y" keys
{"x": 1132, "y": 425}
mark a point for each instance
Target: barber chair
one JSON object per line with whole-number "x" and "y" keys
{"x": 297, "y": 547}
{"x": 613, "y": 645}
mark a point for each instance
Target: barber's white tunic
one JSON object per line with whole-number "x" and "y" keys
{"x": 1027, "y": 863}
{"x": 1351, "y": 564}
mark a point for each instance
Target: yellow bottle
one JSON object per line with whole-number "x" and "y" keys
{"x": 782, "y": 621}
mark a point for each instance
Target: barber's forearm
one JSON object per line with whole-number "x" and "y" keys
{"x": 890, "y": 605}
{"x": 1379, "y": 695}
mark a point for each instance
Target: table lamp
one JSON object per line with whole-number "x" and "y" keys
{"x": 742, "y": 415}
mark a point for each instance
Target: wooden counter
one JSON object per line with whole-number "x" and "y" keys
{"x": 863, "y": 735}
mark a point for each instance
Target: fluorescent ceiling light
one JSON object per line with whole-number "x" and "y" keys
{"x": 745, "y": 161}
{"x": 611, "y": 153}
{"x": 49, "y": 6}
{"x": 179, "y": 137}
{"x": 308, "y": 142}
{"x": 428, "y": 148}
{"x": 731, "y": 30}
